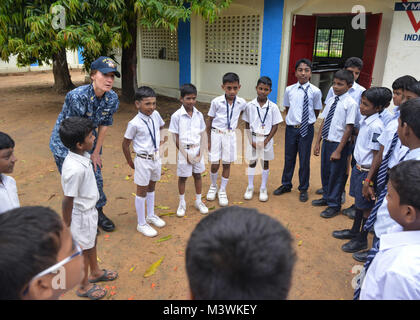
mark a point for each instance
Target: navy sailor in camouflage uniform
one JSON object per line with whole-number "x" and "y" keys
{"x": 97, "y": 102}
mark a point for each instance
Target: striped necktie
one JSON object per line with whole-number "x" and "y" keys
{"x": 381, "y": 181}
{"x": 305, "y": 113}
{"x": 375, "y": 246}
{"x": 327, "y": 122}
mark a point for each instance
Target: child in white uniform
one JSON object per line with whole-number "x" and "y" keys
{"x": 144, "y": 131}
{"x": 262, "y": 117}
{"x": 8, "y": 192}
{"x": 79, "y": 202}
{"x": 223, "y": 119}
{"x": 188, "y": 128}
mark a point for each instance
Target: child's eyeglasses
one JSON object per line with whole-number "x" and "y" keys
{"x": 57, "y": 266}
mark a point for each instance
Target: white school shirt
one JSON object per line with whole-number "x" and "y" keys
{"x": 189, "y": 128}
{"x": 218, "y": 111}
{"x": 79, "y": 182}
{"x": 386, "y": 116}
{"x": 8, "y": 194}
{"x": 294, "y": 98}
{"x": 138, "y": 132}
{"x": 344, "y": 114}
{"x": 356, "y": 93}
{"x": 250, "y": 115}
{"x": 367, "y": 139}
{"x": 384, "y": 223}
{"x": 394, "y": 273}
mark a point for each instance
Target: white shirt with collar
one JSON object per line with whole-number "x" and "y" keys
{"x": 367, "y": 139}
{"x": 189, "y": 128}
{"x": 138, "y": 132}
{"x": 8, "y": 194}
{"x": 78, "y": 181}
{"x": 394, "y": 273}
{"x": 356, "y": 93}
{"x": 218, "y": 111}
{"x": 384, "y": 222}
{"x": 294, "y": 99}
{"x": 273, "y": 117}
{"x": 344, "y": 114}
{"x": 386, "y": 116}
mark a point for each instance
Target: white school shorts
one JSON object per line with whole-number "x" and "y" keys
{"x": 265, "y": 154}
{"x": 84, "y": 225}
{"x": 184, "y": 169}
{"x": 146, "y": 170}
{"x": 223, "y": 147}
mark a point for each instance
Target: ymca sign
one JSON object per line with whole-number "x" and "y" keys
{"x": 409, "y": 7}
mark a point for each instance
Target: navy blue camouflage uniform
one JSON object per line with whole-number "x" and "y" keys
{"x": 82, "y": 102}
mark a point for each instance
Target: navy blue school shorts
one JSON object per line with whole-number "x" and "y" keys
{"x": 356, "y": 187}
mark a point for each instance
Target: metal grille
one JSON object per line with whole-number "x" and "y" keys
{"x": 329, "y": 43}
{"x": 233, "y": 40}
{"x": 159, "y": 43}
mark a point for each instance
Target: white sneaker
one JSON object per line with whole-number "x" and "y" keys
{"x": 200, "y": 206}
{"x": 181, "y": 209}
{"x": 249, "y": 193}
{"x": 147, "y": 230}
{"x": 211, "y": 195}
{"x": 223, "y": 200}
{"x": 158, "y": 222}
{"x": 263, "y": 195}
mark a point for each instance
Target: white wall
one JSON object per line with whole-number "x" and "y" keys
{"x": 161, "y": 75}
{"x": 11, "y": 66}
{"x": 208, "y": 76}
{"x": 309, "y": 7}
{"x": 402, "y": 57}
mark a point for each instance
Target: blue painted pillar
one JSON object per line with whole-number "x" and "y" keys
{"x": 184, "y": 52}
{"x": 80, "y": 56}
{"x": 271, "y": 42}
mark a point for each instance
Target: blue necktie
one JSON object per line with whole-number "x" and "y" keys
{"x": 305, "y": 113}
{"x": 381, "y": 181}
{"x": 327, "y": 122}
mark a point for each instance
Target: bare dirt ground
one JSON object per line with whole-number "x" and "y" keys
{"x": 29, "y": 108}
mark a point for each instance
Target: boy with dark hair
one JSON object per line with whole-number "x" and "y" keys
{"x": 354, "y": 65}
{"x": 80, "y": 197}
{"x": 34, "y": 245}
{"x": 394, "y": 272}
{"x": 412, "y": 91}
{"x": 302, "y": 101}
{"x": 339, "y": 117}
{"x": 8, "y": 191}
{"x": 261, "y": 117}
{"x": 223, "y": 119}
{"x": 398, "y": 88}
{"x": 188, "y": 128}
{"x": 386, "y": 96}
{"x": 366, "y": 147}
{"x": 238, "y": 253}
{"x": 144, "y": 131}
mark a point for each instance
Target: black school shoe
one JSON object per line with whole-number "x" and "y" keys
{"x": 319, "y": 191}
{"x": 344, "y": 234}
{"x": 350, "y": 212}
{"x": 354, "y": 245}
{"x": 320, "y": 202}
{"x": 104, "y": 222}
{"x": 329, "y": 213}
{"x": 282, "y": 189}
{"x": 303, "y": 197}
{"x": 361, "y": 256}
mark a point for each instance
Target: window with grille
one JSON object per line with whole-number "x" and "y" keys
{"x": 233, "y": 40}
{"x": 329, "y": 43}
{"x": 159, "y": 43}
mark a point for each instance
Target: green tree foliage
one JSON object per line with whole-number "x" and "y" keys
{"x": 98, "y": 26}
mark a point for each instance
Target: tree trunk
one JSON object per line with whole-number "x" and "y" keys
{"x": 62, "y": 80}
{"x": 129, "y": 65}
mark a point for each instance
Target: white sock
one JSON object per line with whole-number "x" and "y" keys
{"x": 150, "y": 203}
{"x": 213, "y": 177}
{"x": 182, "y": 198}
{"x": 139, "y": 204}
{"x": 251, "y": 174}
{"x": 198, "y": 197}
{"x": 264, "y": 178}
{"x": 223, "y": 184}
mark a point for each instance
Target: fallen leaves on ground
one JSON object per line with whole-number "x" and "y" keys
{"x": 165, "y": 238}
{"x": 152, "y": 269}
